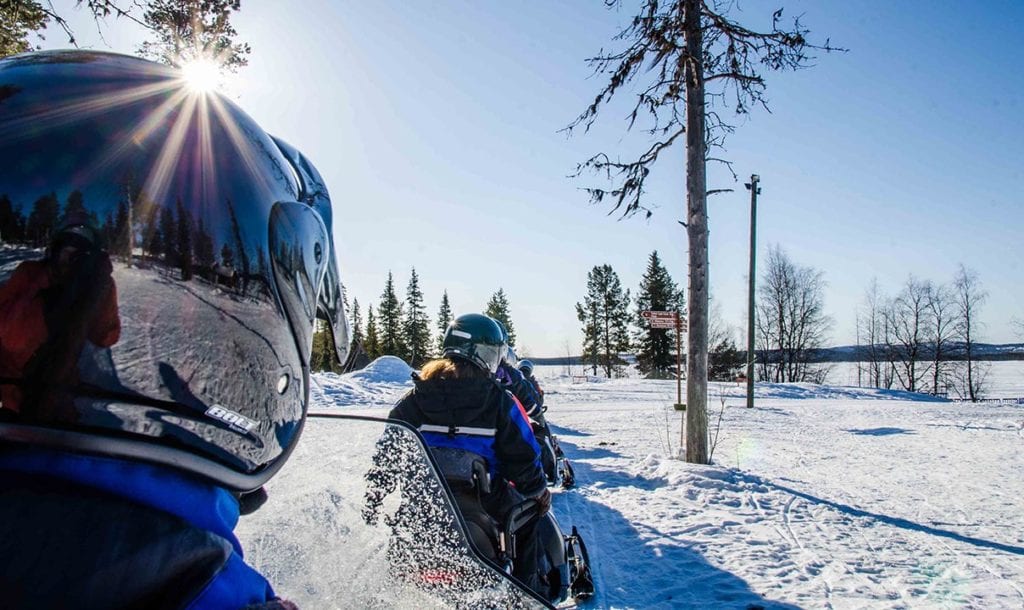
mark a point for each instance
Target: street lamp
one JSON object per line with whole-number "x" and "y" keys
{"x": 755, "y": 190}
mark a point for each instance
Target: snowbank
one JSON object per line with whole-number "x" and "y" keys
{"x": 386, "y": 369}
{"x": 380, "y": 384}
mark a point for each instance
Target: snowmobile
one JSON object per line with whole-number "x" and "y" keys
{"x": 363, "y": 515}
{"x": 557, "y": 468}
{"x": 562, "y": 565}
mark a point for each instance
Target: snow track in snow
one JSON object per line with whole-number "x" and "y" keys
{"x": 820, "y": 497}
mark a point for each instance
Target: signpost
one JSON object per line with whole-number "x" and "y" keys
{"x": 669, "y": 320}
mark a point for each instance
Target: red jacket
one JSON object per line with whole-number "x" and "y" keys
{"x": 23, "y": 327}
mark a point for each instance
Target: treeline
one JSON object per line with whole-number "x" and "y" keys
{"x": 613, "y": 325}
{"x": 137, "y": 229}
{"x": 400, "y": 327}
{"x": 922, "y": 339}
{"x": 925, "y": 337}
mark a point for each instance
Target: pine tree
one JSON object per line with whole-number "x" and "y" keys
{"x": 107, "y": 230}
{"x": 17, "y": 21}
{"x": 444, "y": 318}
{"x": 75, "y": 204}
{"x": 168, "y": 236}
{"x": 186, "y": 30}
{"x": 323, "y": 356}
{"x": 356, "y": 324}
{"x": 152, "y": 241}
{"x": 205, "y": 257}
{"x": 372, "y": 343}
{"x": 11, "y": 221}
{"x": 185, "y": 241}
{"x": 43, "y": 219}
{"x": 389, "y": 322}
{"x": 416, "y": 324}
{"x": 497, "y": 308}
{"x": 605, "y": 316}
{"x": 227, "y": 256}
{"x": 242, "y": 256}
{"x": 120, "y": 240}
{"x": 656, "y": 346}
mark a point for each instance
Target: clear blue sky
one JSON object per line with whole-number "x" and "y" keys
{"x": 436, "y": 128}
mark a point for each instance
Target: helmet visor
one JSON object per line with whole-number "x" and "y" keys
{"x": 187, "y": 323}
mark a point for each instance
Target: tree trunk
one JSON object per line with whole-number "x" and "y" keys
{"x": 970, "y": 358}
{"x": 697, "y": 234}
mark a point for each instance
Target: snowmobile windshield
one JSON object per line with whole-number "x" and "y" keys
{"x": 359, "y": 518}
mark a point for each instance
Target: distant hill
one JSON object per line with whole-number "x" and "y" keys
{"x": 982, "y": 351}
{"x": 858, "y": 353}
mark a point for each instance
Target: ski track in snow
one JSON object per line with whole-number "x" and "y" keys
{"x": 829, "y": 497}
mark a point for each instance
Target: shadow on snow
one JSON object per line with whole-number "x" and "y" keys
{"x": 637, "y": 566}
{"x": 879, "y": 431}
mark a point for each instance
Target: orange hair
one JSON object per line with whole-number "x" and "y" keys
{"x": 450, "y": 368}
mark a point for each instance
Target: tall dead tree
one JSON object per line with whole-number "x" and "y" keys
{"x": 698, "y": 61}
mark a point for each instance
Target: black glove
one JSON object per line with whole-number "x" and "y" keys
{"x": 543, "y": 502}
{"x": 250, "y": 501}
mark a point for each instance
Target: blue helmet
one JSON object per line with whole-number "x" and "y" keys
{"x": 155, "y": 357}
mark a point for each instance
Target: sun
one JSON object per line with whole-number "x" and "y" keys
{"x": 202, "y": 75}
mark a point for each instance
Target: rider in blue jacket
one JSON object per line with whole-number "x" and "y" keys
{"x": 457, "y": 402}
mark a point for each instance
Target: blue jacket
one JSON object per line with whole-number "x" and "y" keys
{"x": 79, "y": 531}
{"x": 513, "y": 380}
{"x": 479, "y": 416}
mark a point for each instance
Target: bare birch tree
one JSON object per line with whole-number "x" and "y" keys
{"x": 700, "y": 63}
{"x": 907, "y": 318}
{"x": 791, "y": 319}
{"x": 871, "y": 330}
{"x": 969, "y": 297}
{"x": 943, "y": 330}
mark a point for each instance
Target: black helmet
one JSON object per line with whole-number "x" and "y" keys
{"x": 525, "y": 367}
{"x": 504, "y": 331}
{"x": 476, "y": 338}
{"x": 76, "y": 228}
{"x": 156, "y": 355}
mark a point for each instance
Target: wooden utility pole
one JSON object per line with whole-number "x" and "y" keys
{"x": 679, "y": 360}
{"x": 754, "y": 189}
{"x": 697, "y": 236}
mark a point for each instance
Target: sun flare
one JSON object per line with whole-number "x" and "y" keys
{"x": 202, "y": 75}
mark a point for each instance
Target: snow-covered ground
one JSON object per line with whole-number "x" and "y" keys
{"x": 819, "y": 497}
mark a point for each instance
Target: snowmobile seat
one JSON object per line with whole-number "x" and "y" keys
{"x": 469, "y": 479}
{"x": 464, "y": 470}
